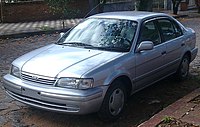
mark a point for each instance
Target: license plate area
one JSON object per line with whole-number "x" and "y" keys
{"x": 31, "y": 93}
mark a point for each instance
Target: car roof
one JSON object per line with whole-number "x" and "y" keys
{"x": 129, "y": 15}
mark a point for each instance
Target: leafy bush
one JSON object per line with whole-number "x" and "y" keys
{"x": 62, "y": 7}
{"x": 167, "y": 119}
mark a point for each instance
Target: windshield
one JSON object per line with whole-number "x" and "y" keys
{"x": 102, "y": 34}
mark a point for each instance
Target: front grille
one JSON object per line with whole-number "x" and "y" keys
{"x": 38, "y": 79}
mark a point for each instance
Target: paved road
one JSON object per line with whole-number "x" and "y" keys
{"x": 140, "y": 107}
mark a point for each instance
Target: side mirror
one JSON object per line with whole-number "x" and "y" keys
{"x": 61, "y": 34}
{"x": 145, "y": 45}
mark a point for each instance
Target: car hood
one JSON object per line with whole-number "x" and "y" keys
{"x": 64, "y": 61}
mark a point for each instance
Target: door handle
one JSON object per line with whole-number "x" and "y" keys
{"x": 183, "y": 44}
{"x": 163, "y": 53}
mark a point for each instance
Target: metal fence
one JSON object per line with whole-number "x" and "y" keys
{"x": 1, "y": 11}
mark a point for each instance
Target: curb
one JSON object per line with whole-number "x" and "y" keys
{"x": 172, "y": 110}
{"x": 179, "y": 16}
{"x": 28, "y": 34}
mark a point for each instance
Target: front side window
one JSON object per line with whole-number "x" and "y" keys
{"x": 149, "y": 32}
{"x": 102, "y": 34}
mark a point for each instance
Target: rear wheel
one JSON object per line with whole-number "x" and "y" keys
{"x": 183, "y": 69}
{"x": 114, "y": 102}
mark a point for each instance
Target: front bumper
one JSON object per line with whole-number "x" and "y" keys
{"x": 53, "y": 98}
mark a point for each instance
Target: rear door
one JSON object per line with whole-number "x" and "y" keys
{"x": 172, "y": 36}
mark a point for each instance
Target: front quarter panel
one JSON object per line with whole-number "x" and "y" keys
{"x": 107, "y": 73}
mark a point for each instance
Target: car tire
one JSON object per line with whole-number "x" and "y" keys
{"x": 114, "y": 102}
{"x": 183, "y": 70}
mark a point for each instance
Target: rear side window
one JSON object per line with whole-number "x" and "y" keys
{"x": 178, "y": 29}
{"x": 167, "y": 29}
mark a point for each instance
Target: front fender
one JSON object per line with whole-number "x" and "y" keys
{"x": 116, "y": 74}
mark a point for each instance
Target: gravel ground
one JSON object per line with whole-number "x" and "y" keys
{"x": 140, "y": 107}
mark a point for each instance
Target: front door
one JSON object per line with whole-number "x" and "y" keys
{"x": 149, "y": 63}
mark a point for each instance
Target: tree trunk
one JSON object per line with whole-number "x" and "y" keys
{"x": 175, "y": 9}
{"x": 176, "y": 4}
{"x": 198, "y": 5}
{"x": 1, "y": 10}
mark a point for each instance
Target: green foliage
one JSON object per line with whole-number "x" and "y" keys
{"x": 46, "y": 28}
{"x": 167, "y": 119}
{"x": 62, "y": 7}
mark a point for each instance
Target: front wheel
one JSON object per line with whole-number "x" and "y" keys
{"x": 183, "y": 69}
{"x": 114, "y": 102}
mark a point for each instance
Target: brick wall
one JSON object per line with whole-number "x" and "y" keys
{"x": 37, "y": 11}
{"x": 119, "y": 6}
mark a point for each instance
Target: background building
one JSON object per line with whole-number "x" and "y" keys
{"x": 35, "y": 10}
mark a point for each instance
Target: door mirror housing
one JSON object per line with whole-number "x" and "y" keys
{"x": 145, "y": 45}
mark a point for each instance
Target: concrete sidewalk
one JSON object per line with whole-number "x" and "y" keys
{"x": 8, "y": 30}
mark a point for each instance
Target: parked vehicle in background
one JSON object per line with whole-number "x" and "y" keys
{"x": 96, "y": 65}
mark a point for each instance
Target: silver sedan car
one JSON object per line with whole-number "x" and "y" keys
{"x": 97, "y": 64}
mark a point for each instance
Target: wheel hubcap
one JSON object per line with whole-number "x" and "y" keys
{"x": 184, "y": 67}
{"x": 116, "y": 102}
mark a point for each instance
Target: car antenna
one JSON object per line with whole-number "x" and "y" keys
{"x": 101, "y": 2}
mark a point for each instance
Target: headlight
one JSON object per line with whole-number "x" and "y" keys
{"x": 15, "y": 71}
{"x": 75, "y": 83}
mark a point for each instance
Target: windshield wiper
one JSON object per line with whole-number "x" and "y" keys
{"x": 76, "y": 44}
{"x": 115, "y": 49}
